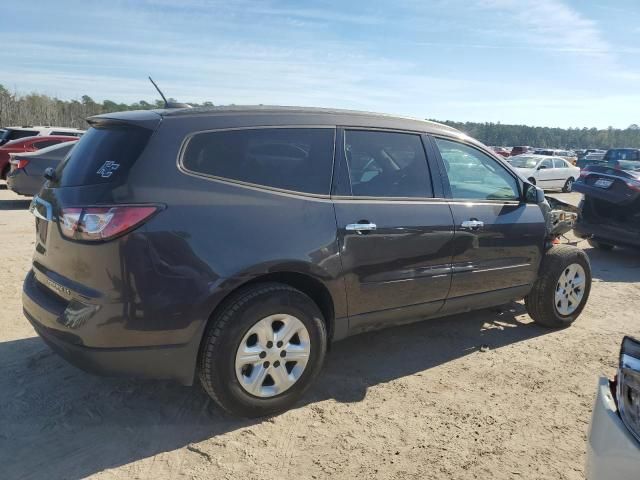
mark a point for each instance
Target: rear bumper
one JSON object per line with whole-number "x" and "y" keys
{"x": 612, "y": 452}
{"x": 23, "y": 184}
{"x": 607, "y": 233}
{"x": 52, "y": 320}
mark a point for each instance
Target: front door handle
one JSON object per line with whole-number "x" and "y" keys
{"x": 361, "y": 227}
{"x": 472, "y": 224}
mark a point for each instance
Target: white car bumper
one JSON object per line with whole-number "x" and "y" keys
{"x": 612, "y": 452}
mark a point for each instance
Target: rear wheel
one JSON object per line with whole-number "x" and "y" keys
{"x": 263, "y": 350}
{"x": 568, "y": 185}
{"x": 600, "y": 245}
{"x": 562, "y": 288}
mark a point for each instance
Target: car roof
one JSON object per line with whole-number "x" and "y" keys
{"x": 539, "y": 157}
{"x": 40, "y": 138}
{"x": 341, "y": 116}
{"x": 43, "y": 127}
{"x": 47, "y": 151}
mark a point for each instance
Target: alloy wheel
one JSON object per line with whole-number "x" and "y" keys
{"x": 570, "y": 289}
{"x": 272, "y": 355}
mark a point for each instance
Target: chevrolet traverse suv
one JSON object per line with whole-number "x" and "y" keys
{"x": 234, "y": 244}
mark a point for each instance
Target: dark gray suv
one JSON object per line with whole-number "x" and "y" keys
{"x": 234, "y": 244}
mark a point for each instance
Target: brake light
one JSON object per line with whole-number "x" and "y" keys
{"x": 20, "y": 164}
{"x": 633, "y": 185}
{"x": 102, "y": 223}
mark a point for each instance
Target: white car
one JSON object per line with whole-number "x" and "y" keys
{"x": 613, "y": 444}
{"x": 546, "y": 172}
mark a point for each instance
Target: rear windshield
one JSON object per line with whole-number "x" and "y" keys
{"x": 103, "y": 154}
{"x": 8, "y": 134}
{"x": 622, "y": 154}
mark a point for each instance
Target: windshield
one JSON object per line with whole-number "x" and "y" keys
{"x": 524, "y": 162}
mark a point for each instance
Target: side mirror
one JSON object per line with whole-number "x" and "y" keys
{"x": 533, "y": 194}
{"x": 541, "y": 167}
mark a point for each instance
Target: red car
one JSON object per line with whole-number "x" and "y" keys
{"x": 27, "y": 144}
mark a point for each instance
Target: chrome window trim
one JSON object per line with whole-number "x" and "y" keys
{"x": 249, "y": 185}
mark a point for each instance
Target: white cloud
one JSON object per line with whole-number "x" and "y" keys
{"x": 552, "y": 24}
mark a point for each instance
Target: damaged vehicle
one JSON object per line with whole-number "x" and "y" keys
{"x": 233, "y": 245}
{"x": 613, "y": 442}
{"x": 609, "y": 214}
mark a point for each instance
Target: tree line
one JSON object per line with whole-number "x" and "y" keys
{"x": 510, "y": 135}
{"x": 38, "y": 109}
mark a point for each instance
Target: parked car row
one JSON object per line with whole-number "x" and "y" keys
{"x": 8, "y": 134}
{"x": 24, "y": 140}
{"x": 575, "y": 157}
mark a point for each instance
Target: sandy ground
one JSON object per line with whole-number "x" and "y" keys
{"x": 420, "y": 401}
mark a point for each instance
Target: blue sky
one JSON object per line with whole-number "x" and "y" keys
{"x": 537, "y": 62}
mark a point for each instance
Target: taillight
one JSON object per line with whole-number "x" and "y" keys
{"x": 20, "y": 164}
{"x": 102, "y": 223}
{"x": 633, "y": 185}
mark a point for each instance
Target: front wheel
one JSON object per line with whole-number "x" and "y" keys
{"x": 263, "y": 350}
{"x": 561, "y": 291}
{"x": 568, "y": 185}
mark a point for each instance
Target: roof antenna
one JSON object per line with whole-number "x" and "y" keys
{"x": 167, "y": 104}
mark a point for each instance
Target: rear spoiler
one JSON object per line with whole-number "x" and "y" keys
{"x": 137, "y": 118}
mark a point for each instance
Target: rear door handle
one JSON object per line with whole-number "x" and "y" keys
{"x": 361, "y": 227}
{"x": 472, "y": 224}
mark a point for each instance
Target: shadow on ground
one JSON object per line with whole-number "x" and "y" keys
{"x": 14, "y": 204}
{"x": 54, "y": 417}
{"x": 617, "y": 265}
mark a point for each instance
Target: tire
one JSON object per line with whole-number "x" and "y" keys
{"x": 532, "y": 181}
{"x": 568, "y": 185}
{"x": 253, "y": 308}
{"x": 607, "y": 247}
{"x": 541, "y": 303}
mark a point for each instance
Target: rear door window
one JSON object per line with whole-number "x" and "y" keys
{"x": 15, "y": 134}
{"x": 387, "y": 164}
{"x": 559, "y": 163}
{"x": 45, "y": 144}
{"x": 546, "y": 164}
{"x": 297, "y": 159}
{"x": 67, "y": 134}
{"x": 103, "y": 154}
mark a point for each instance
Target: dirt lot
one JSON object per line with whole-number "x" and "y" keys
{"x": 421, "y": 401}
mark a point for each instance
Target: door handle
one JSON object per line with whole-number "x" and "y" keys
{"x": 472, "y": 224}
{"x": 361, "y": 227}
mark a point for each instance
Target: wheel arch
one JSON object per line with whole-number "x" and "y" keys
{"x": 327, "y": 293}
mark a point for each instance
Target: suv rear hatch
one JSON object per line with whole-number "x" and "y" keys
{"x": 83, "y": 209}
